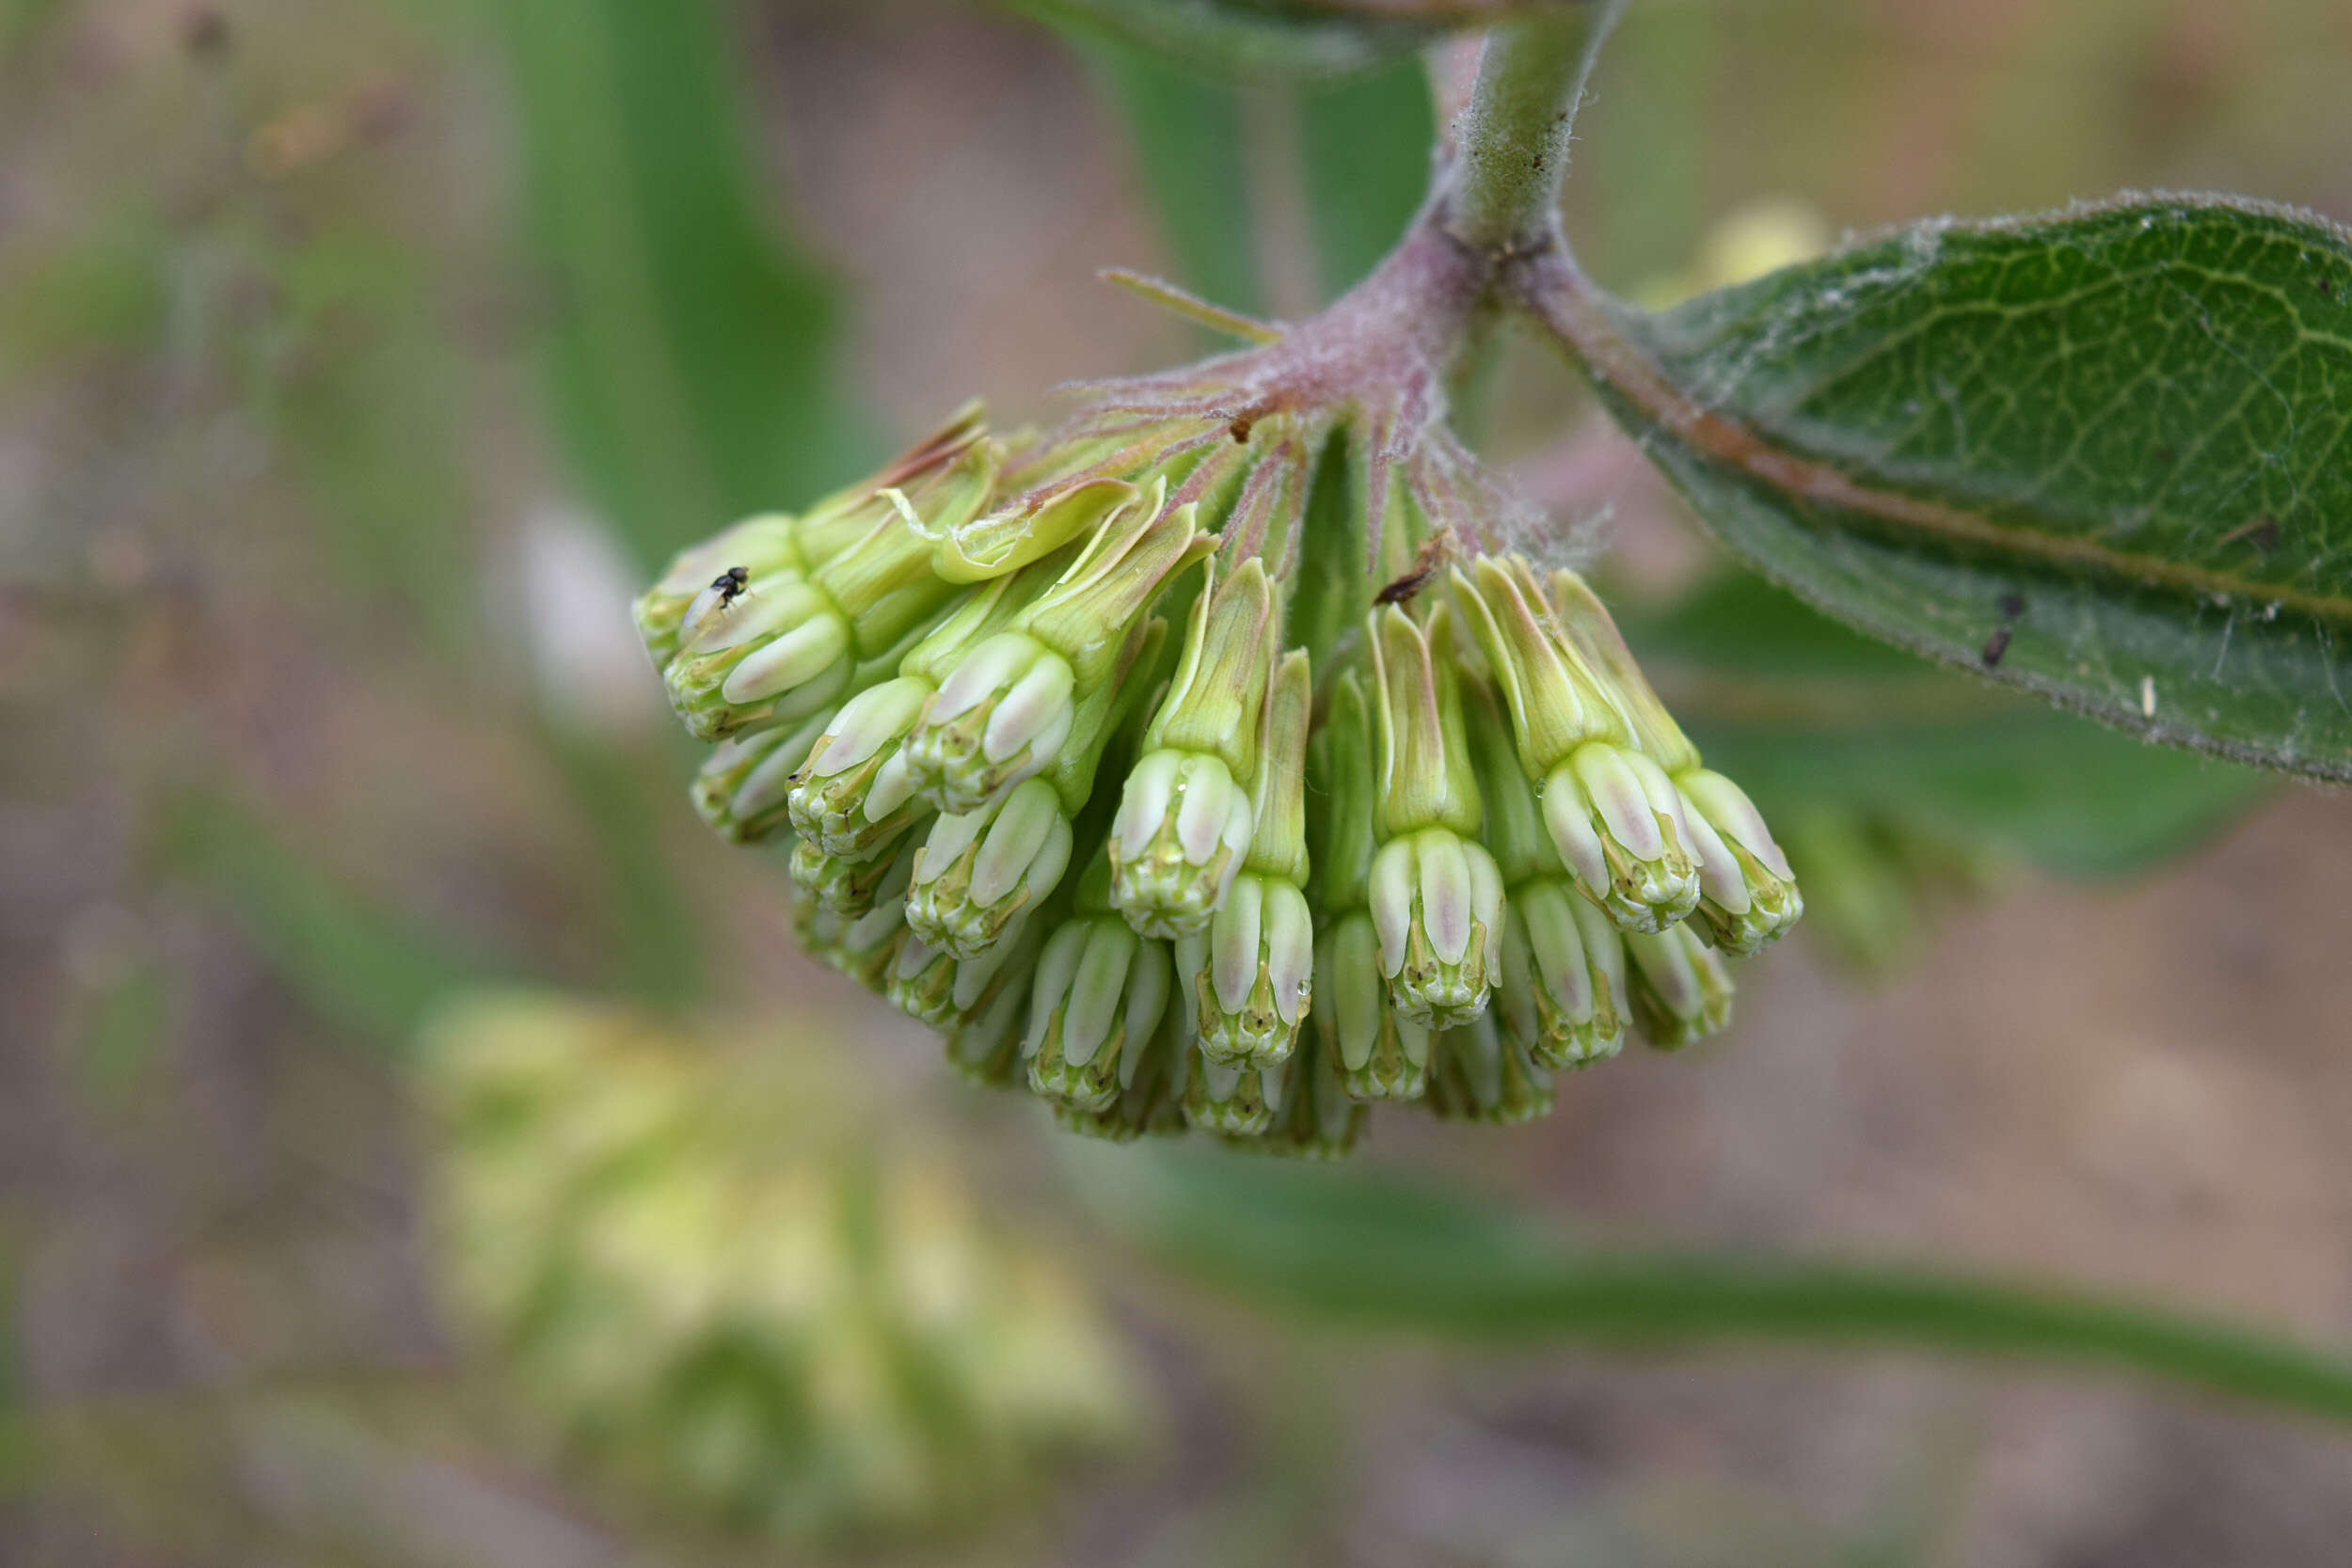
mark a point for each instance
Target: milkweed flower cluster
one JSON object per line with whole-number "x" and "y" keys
{"x": 723, "y": 1296}
{"x": 1206, "y": 763}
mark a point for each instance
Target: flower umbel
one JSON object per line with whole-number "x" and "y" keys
{"x": 1078, "y": 844}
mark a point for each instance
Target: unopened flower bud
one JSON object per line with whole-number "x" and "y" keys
{"x": 1181, "y": 832}
{"x": 846, "y": 884}
{"x": 1618, "y": 821}
{"x": 1097, "y": 999}
{"x": 996, "y": 721}
{"x": 980, "y": 872}
{"x": 1424, "y": 777}
{"x": 791, "y": 649}
{"x": 1679, "y": 988}
{"x": 743, "y": 789}
{"x": 853, "y": 792}
{"x": 863, "y": 948}
{"x": 1316, "y": 1120}
{"x": 1479, "y": 1072}
{"x": 704, "y": 583}
{"x": 1149, "y": 1103}
{"x": 985, "y": 1049}
{"x": 1555, "y": 699}
{"x": 945, "y": 992}
{"x": 1252, "y": 972}
{"x": 1436, "y": 906}
{"x": 1747, "y": 894}
{"x": 1229, "y": 1097}
{"x": 1377, "y": 1054}
{"x": 1562, "y": 988}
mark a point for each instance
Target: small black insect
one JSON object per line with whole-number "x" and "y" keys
{"x": 1432, "y": 555}
{"x": 2013, "y": 605}
{"x": 731, "y": 582}
{"x": 1994, "y": 646}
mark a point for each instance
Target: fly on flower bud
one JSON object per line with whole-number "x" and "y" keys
{"x": 1679, "y": 988}
{"x": 1479, "y": 1072}
{"x": 1436, "y": 896}
{"x": 980, "y": 872}
{"x": 854, "y": 793}
{"x": 693, "y": 594}
{"x": 743, "y": 789}
{"x": 1613, "y": 814}
{"x": 1747, "y": 896}
{"x": 1098, "y": 996}
{"x": 1005, "y": 713}
{"x": 1185, "y": 817}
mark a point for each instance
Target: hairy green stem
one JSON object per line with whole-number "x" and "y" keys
{"x": 1510, "y": 144}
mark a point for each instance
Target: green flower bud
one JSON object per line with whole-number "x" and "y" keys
{"x": 846, "y": 884}
{"x": 1343, "y": 763}
{"x": 854, "y": 793}
{"x": 1679, "y": 988}
{"x": 1423, "y": 778}
{"x": 1747, "y": 894}
{"x": 1563, "y": 992}
{"x": 1479, "y": 1072}
{"x": 1150, "y": 1103}
{"x": 1555, "y": 699}
{"x": 1230, "y": 1098}
{"x": 743, "y": 789}
{"x": 787, "y": 650}
{"x": 948, "y": 993}
{"x": 1618, "y": 821}
{"x": 980, "y": 872}
{"x": 1007, "y": 538}
{"x": 1098, "y": 996}
{"x": 1185, "y": 820}
{"x": 985, "y": 1048}
{"x": 863, "y": 947}
{"x": 703, "y": 583}
{"x": 1436, "y": 906}
{"x": 999, "y": 719}
{"x": 1252, "y": 973}
{"x": 1178, "y": 840}
{"x": 1377, "y": 1054}
{"x": 1316, "y": 1120}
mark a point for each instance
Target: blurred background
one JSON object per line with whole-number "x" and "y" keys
{"x": 421, "y": 1143}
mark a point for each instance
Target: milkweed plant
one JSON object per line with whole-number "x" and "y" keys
{"x": 1241, "y": 751}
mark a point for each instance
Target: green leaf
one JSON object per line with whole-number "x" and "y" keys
{"x": 1186, "y": 133}
{"x": 692, "y": 352}
{"x": 1381, "y": 1253}
{"x": 2104, "y": 455}
{"x": 1367, "y": 146}
{"x": 1809, "y": 715}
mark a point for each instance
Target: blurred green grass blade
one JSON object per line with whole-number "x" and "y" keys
{"x": 656, "y": 952}
{"x": 352, "y": 961}
{"x": 1186, "y": 133}
{"x": 1809, "y": 715}
{"x": 1294, "y": 42}
{"x": 1367, "y": 145}
{"x": 692, "y": 354}
{"x": 1379, "y": 1253}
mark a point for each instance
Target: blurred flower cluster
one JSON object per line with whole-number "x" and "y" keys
{"x": 1208, "y": 761}
{"x": 728, "y": 1295}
